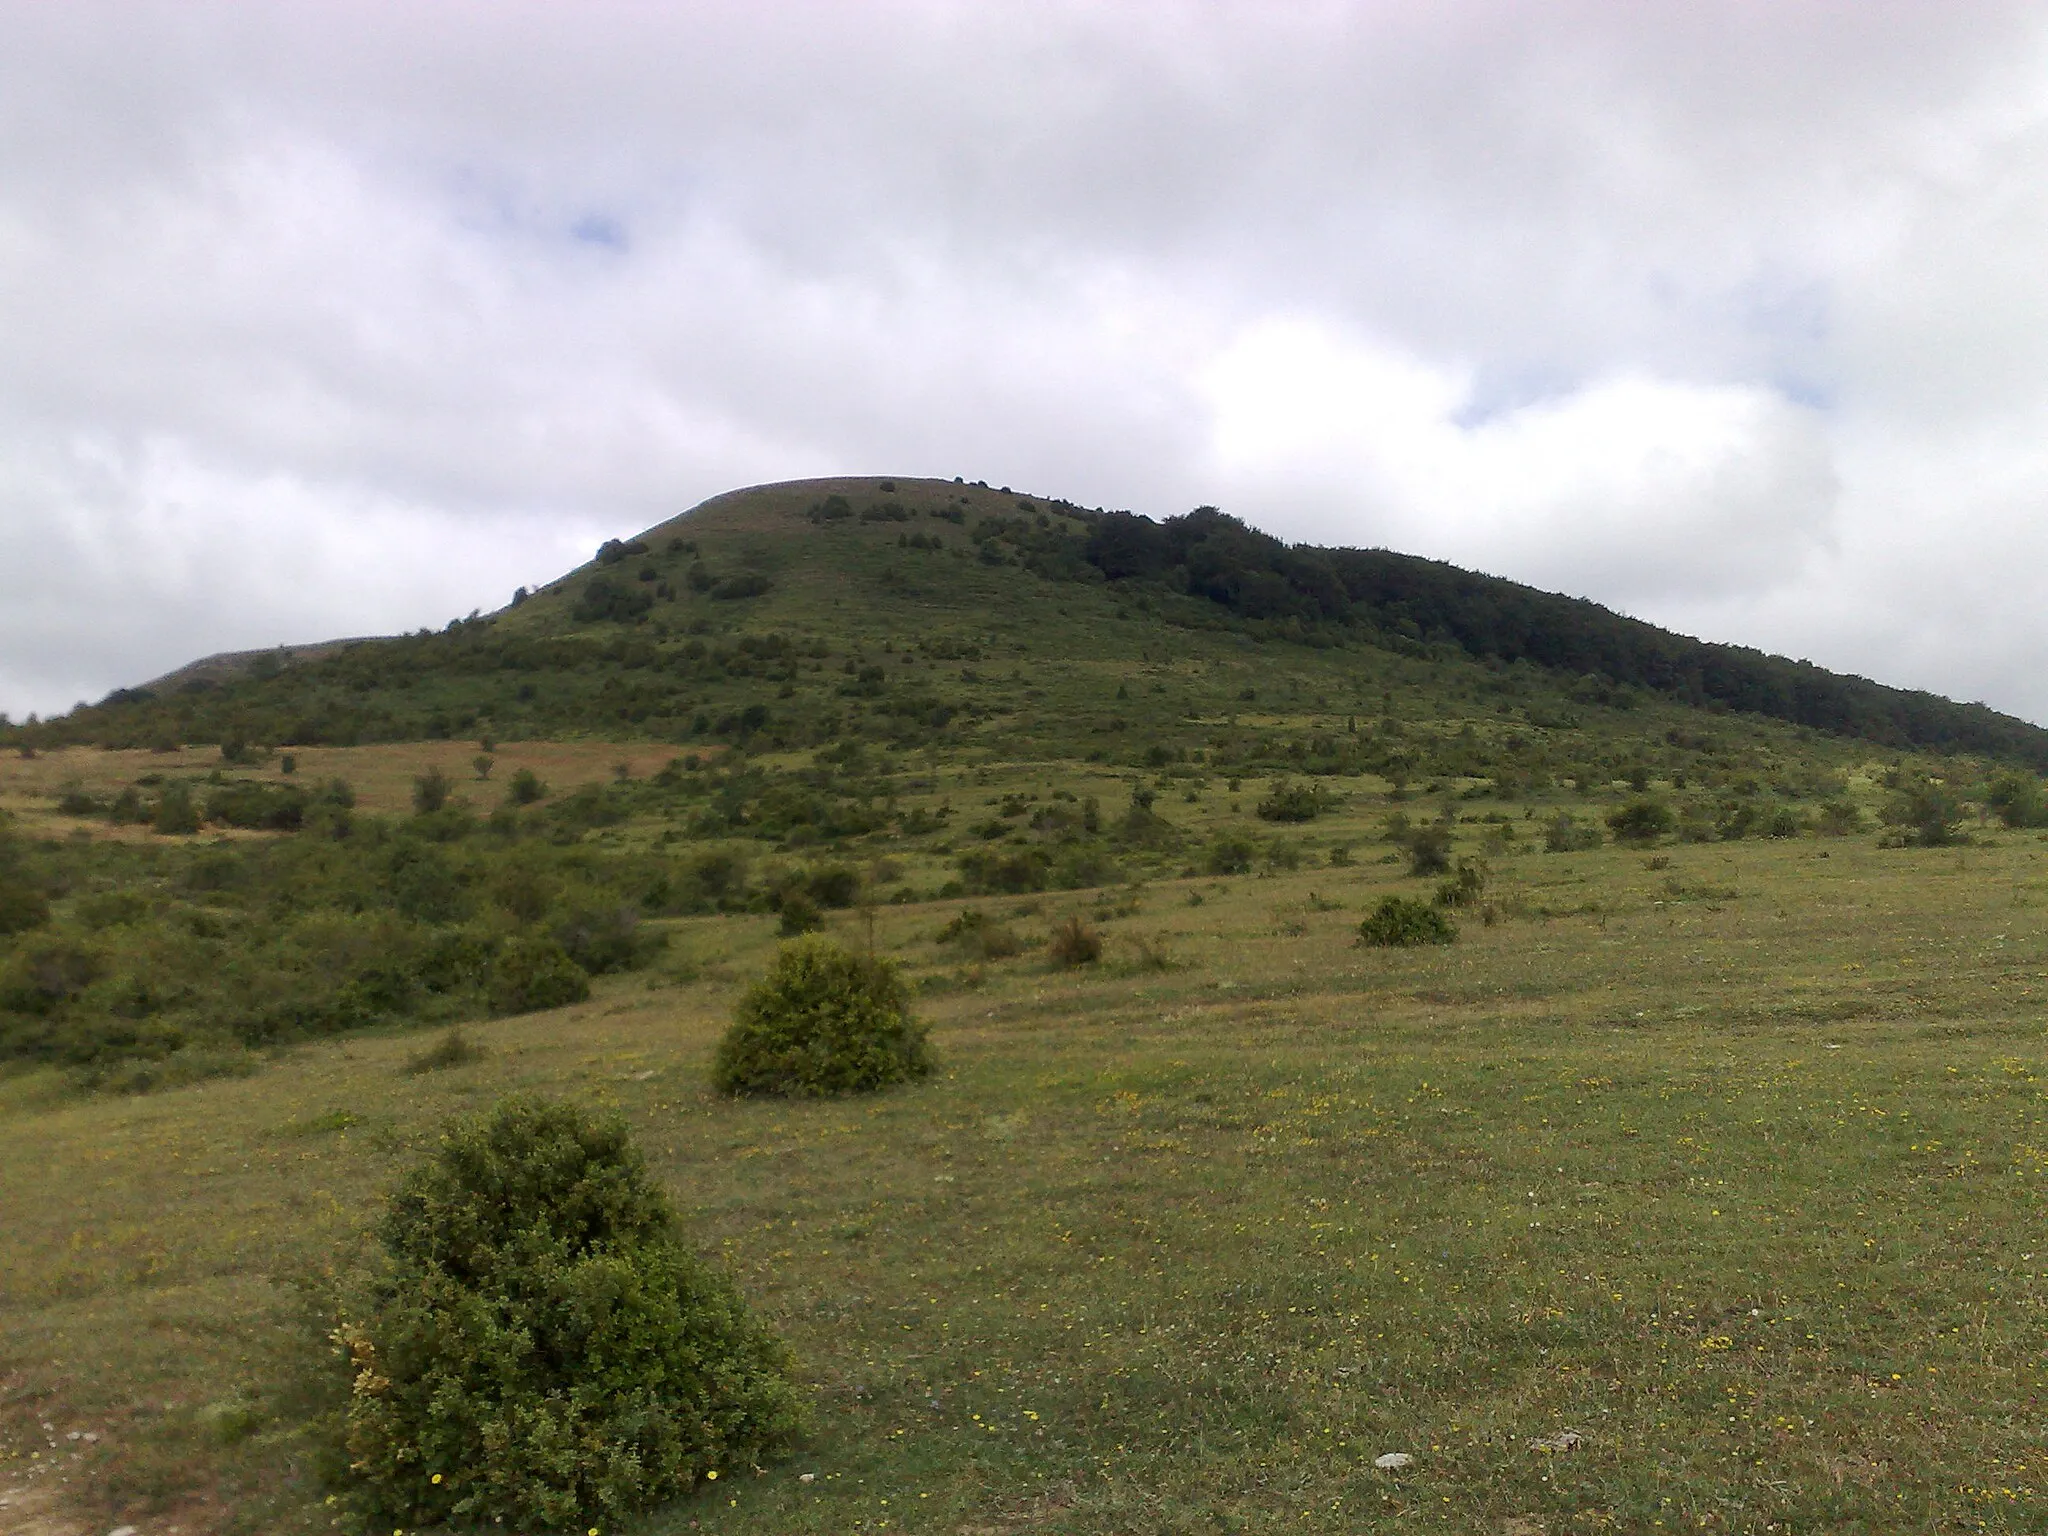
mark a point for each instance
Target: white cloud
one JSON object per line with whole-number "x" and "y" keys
{"x": 1633, "y": 487}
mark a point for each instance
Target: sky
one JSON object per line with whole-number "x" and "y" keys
{"x": 326, "y": 319}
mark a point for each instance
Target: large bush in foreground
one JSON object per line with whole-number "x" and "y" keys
{"x": 824, "y": 1020}
{"x": 539, "y": 1349}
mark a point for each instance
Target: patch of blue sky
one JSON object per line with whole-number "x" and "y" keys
{"x": 603, "y": 230}
{"x": 498, "y": 207}
{"x": 1498, "y": 392}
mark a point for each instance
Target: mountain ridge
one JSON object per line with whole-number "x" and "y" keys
{"x": 793, "y": 554}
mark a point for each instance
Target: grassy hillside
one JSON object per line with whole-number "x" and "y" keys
{"x": 1694, "y": 1186}
{"x": 922, "y": 612}
{"x": 1731, "y": 1167}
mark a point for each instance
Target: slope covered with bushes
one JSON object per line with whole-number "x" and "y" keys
{"x": 784, "y": 614}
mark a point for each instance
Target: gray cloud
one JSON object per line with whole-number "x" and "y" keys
{"x": 343, "y": 318}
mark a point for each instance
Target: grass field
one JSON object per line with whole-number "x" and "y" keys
{"x": 1710, "y": 1200}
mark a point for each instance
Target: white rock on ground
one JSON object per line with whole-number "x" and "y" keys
{"x": 1393, "y": 1461}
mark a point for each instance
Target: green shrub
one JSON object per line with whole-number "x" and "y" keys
{"x": 1429, "y": 850}
{"x": 532, "y": 973}
{"x": 604, "y": 600}
{"x": 1230, "y": 856}
{"x": 176, "y": 815}
{"x": 1565, "y": 833}
{"x": 824, "y": 1020}
{"x": 2017, "y": 799}
{"x": 73, "y": 799}
{"x": 747, "y": 584}
{"x": 1291, "y": 800}
{"x": 1641, "y": 821}
{"x": 1398, "y": 922}
{"x": 1012, "y": 870}
{"x": 272, "y": 807}
{"x": 833, "y": 885}
{"x": 1838, "y": 818}
{"x": 525, "y": 788}
{"x": 105, "y": 909}
{"x": 1926, "y": 815}
{"x": 425, "y": 885}
{"x": 1784, "y": 822}
{"x": 538, "y": 1348}
{"x": 982, "y": 937}
{"x": 604, "y": 937}
{"x": 22, "y": 906}
{"x": 1464, "y": 887}
{"x": 430, "y": 791}
{"x": 800, "y": 915}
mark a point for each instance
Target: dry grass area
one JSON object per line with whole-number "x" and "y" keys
{"x": 1698, "y": 1197}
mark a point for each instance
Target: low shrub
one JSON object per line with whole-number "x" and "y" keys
{"x": 824, "y": 1020}
{"x": 1784, "y": 822}
{"x": 525, "y": 788}
{"x": 800, "y": 915}
{"x": 1641, "y": 821}
{"x": 1291, "y": 800}
{"x": 176, "y": 815}
{"x": 270, "y": 807}
{"x": 430, "y": 791}
{"x": 1399, "y": 921}
{"x": 74, "y": 799}
{"x": 1005, "y": 870}
{"x": 538, "y": 1347}
{"x": 747, "y": 584}
{"x": 1230, "y": 856}
{"x": 1075, "y": 943}
{"x": 453, "y": 1049}
{"x": 1463, "y": 888}
{"x": 1429, "y": 850}
{"x": 1154, "y": 951}
{"x": 604, "y": 937}
{"x": 2017, "y": 799}
{"x": 1925, "y": 815}
{"x": 981, "y": 936}
{"x": 1838, "y": 818}
{"x": 1565, "y": 833}
{"x": 22, "y": 906}
{"x": 532, "y": 973}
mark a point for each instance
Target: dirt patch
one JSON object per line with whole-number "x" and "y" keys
{"x": 34, "y": 1511}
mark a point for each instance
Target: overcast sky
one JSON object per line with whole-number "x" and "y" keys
{"x": 327, "y": 320}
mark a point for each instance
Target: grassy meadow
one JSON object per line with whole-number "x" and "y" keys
{"x": 1696, "y": 1186}
{"x": 1698, "y": 1190}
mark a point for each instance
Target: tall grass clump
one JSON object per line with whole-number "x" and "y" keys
{"x": 537, "y": 1346}
{"x": 452, "y": 1049}
{"x": 1074, "y": 943}
{"x": 824, "y": 1020}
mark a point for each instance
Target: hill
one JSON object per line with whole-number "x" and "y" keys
{"x": 784, "y": 615}
{"x": 1696, "y": 1175}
